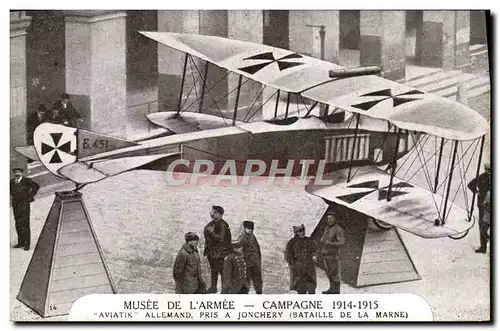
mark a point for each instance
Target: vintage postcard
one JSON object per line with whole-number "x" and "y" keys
{"x": 318, "y": 165}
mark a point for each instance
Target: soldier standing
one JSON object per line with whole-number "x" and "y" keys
{"x": 333, "y": 238}
{"x": 22, "y": 191}
{"x": 187, "y": 267}
{"x": 251, "y": 251}
{"x": 481, "y": 185}
{"x": 299, "y": 254}
{"x": 217, "y": 245}
{"x": 234, "y": 277}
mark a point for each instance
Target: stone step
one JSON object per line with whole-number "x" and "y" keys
{"x": 436, "y": 77}
{"x": 471, "y": 86}
{"x": 446, "y": 83}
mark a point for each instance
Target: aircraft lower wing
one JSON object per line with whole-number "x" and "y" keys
{"x": 187, "y": 122}
{"x": 27, "y": 151}
{"x": 90, "y": 172}
{"x": 412, "y": 208}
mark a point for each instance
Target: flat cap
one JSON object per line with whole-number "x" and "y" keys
{"x": 191, "y": 236}
{"x": 218, "y": 209}
{"x": 248, "y": 225}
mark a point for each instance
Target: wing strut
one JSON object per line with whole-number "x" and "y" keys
{"x": 287, "y": 105}
{"x": 203, "y": 86}
{"x": 477, "y": 175}
{"x": 182, "y": 83}
{"x": 436, "y": 180}
{"x": 355, "y": 142}
{"x": 449, "y": 181}
{"x": 393, "y": 170}
{"x": 237, "y": 100}
{"x": 277, "y": 103}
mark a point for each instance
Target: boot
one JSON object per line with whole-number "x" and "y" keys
{"x": 481, "y": 249}
{"x": 332, "y": 287}
{"x": 336, "y": 289}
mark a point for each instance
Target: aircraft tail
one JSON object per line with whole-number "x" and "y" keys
{"x": 61, "y": 150}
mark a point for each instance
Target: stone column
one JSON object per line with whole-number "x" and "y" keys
{"x": 382, "y": 41}
{"x": 306, "y": 40}
{"x": 445, "y": 40}
{"x": 238, "y": 24}
{"x": 19, "y": 22}
{"x": 171, "y": 62}
{"x": 96, "y": 77}
{"x": 246, "y": 25}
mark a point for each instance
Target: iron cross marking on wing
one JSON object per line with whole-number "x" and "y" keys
{"x": 269, "y": 58}
{"x": 64, "y": 148}
{"x": 373, "y": 185}
{"x": 386, "y": 94}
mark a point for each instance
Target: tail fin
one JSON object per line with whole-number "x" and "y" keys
{"x": 58, "y": 146}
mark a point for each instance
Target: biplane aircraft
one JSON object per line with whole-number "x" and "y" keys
{"x": 365, "y": 142}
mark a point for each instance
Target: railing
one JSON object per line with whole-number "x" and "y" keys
{"x": 340, "y": 148}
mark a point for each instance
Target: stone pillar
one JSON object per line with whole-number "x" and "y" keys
{"x": 246, "y": 25}
{"x": 238, "y": 24}
{"x": 96, "y": 76}
{"x": 462, "y": 41}
{"x": 306, "y": 40}
{"x": 382, "y": 41}
{"x": 19, "y": 22}
{"x": 171, "y": 62}
{"x": 445, "y": 40}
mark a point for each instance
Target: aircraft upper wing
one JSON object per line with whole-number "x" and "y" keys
{"x": 373, "y": 96}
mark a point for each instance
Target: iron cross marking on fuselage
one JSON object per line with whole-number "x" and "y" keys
{"x": 65, "y": 148}
{"x": 269, "y": 58}
{"x": 386, "y": 94}
{"x": 383, "y": 192}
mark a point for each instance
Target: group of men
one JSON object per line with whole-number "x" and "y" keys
{"x": 239, "y": 261}
{"x": 62, "y": 112}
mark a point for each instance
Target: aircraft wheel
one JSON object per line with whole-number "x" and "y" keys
{"x": 459, "y": 236}
{"x": 382, "y": 225}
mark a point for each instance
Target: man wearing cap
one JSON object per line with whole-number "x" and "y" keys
{"x": 481, "y": 185}
{"x": 234, "y": 276}
{"x": 300, "y": 254}
{"x": 66, "y": 113}
{"x": 251, "y": 251}
{"x": 22, "y": 191}
{"x": 333, "y": 238}
{"x": 187, "y": 267}
{"x": 217, "y": 245}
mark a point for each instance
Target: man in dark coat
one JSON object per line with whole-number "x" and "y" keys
{"x": 333, "y": 238}
{"x": 234, "y": 276}
{"x": 187, "y": 267}
{"x": 481, "y": 185}
{"x": 66, "y": 113}
{"x": 251, "y": 251}
{"x": 22, "y": 191}
{"x": 35, "y": 119}
{"x": 217, "y": 245}
{"x": 300, "y": 255}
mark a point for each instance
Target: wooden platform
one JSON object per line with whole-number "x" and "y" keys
{"x": 67, "y": 262}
